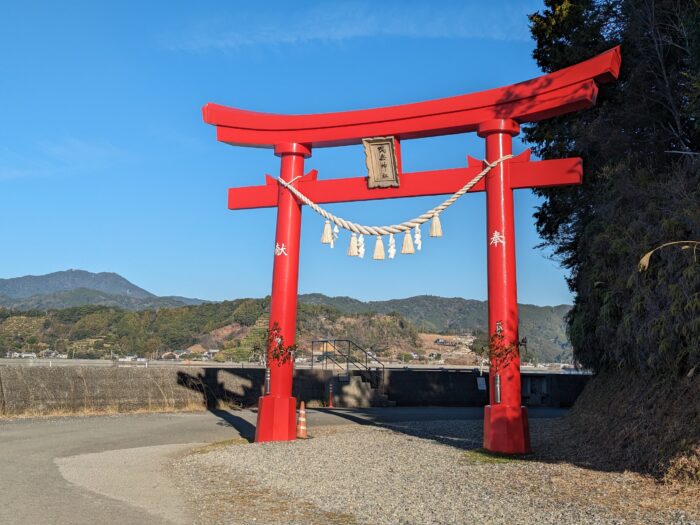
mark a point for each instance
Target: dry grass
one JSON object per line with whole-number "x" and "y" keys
{"x": 220, "y": 444}
{"x": 622, "y": 493}
{"x": 480, "y": 455}
{"x": 102, "y": 411}
{"x": 623, "y": 421}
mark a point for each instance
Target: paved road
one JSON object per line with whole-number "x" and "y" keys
{"x": 33, "y": 484}
{"x": 213, "y": 364}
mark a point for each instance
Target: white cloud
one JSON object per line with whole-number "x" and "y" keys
{"x": 65, "y": 157}
{"x": 340, "y": 21}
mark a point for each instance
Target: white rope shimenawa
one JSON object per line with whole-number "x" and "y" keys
{"x": 406, "y": 226}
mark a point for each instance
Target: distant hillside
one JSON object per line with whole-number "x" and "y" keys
{"x": 85, "y": 296}
{"x": 101, "y": 328}
{"x": 77, "y": 288}
{"x": 544, "y": 326}
{"x": 29, "y": 285}
{"x": 237, "y": 328}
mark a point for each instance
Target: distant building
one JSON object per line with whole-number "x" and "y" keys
{"x": 211, "y": 353}
{"x": 445, "y": 342}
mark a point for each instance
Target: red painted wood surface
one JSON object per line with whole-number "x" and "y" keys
{"x": 277, "y": 409}
{"x": 560, "y": 92}
{"x": 436, "y": 182}
{"x": 504, "y": 423}
{"x": 496, "y": 115}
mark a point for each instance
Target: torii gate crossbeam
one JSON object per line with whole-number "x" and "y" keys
{"x": 495, "y": 115}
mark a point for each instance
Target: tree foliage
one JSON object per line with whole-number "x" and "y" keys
{"x": 123, "y": 332}
{"x": 640, "y": 146}
{"x": 96, "y": 331}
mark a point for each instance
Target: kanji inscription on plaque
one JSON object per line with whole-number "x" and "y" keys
{"x": 382, "y": 167}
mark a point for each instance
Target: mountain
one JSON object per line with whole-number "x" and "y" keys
{"x": 85, "y": 296}
{"x": 238, "y": 328}
{"x": 77, "y": 287}
{"x": 543, "y": 326}
{"x": 29, "y": 285}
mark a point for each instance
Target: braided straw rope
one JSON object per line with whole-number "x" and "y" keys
{"x": 396, "y": 228}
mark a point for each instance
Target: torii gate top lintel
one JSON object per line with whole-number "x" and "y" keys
{"x": 557, "y": 93}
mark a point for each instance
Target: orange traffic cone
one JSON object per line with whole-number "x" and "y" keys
{"x": 301, "y": 423}
{"x": 330, "y": 395}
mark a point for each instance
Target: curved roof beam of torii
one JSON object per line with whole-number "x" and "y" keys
{"x": 560, "y": 92}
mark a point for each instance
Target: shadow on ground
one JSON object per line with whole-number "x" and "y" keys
{"x": 215, "y": 395}
{"x": 226, "y": 391}
{"x": 549, "y": 428}
{"x": 461, "y": 428}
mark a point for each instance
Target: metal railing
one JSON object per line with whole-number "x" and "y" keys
{"x": 345, "y": 354}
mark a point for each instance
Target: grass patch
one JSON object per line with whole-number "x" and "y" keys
{"x": 481, "y": 455}
{"x": 108, "y": 410}
{"x": 220, "y": 444}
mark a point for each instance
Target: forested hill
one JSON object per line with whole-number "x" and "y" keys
{"x": 29, "y": 285}
{"x": 446, "y": 315}
{"x": 71, "y": 288}
{"x": 544, "y": 326}
{"x": 640, "y": 146}
{"x": 86, "y": 296}
{"x": 236, "y": 327}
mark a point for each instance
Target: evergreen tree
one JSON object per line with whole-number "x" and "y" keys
{"x": 641, "y": 152}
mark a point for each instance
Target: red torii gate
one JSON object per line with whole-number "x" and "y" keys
{"x": 495, "y": 115}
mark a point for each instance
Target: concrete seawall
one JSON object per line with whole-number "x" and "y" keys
{"x": 64, "y": 390}
{"x": 57, "y": 390}
{"x": 460, "y": 387}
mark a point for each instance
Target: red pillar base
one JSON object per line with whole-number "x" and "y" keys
{"x": 506, "y": 429}
{"x": 277, "y": 419}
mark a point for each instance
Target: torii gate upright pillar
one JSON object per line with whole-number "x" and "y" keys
{"x": 277, "y": 408}
{"x": 505, "y": 420}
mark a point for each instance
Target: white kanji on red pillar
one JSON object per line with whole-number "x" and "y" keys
{"x": 497, "y": 238}
{"x": 280, "y": 249}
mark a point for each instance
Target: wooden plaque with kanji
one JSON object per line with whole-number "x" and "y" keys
{"x": 382, "y": 168}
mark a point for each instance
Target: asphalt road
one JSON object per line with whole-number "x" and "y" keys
{"x": 84, "y": 470}
{"x": 213, "y": 364}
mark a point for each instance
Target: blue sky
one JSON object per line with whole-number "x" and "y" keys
{"x": 106, "y": 165}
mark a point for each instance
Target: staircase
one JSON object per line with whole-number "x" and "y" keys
{"x": 355, "y": 391}
{"x": 358, "y": 376}
{"x": 255, "y": 340}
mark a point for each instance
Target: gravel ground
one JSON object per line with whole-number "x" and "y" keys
{"x": 416, "y": 473}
